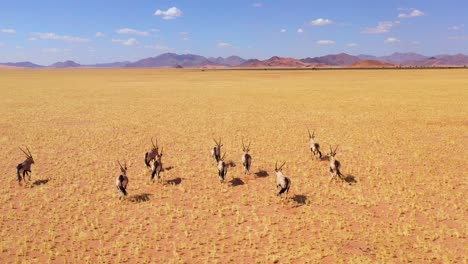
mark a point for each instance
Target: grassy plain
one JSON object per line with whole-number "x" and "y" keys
{"x": 402, "y": 135}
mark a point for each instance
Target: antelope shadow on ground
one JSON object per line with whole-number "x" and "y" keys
{"x": 175, "y": 181}
{"x": 324, "y": 158}
{"x": 168, "y": 168}
{"x": 236, "y": 182}
{"x": 350, "y": 179}
{"x": 139, "y": 198}
{"x": 40, "y": 182}
{"x": 231, "y": 163}
{"x": 262, "y": 173}
{"x": 300, "y": 200}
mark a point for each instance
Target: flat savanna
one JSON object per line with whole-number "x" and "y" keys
{"x": 401, "y": 136}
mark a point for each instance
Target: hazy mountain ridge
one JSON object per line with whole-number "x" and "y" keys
{"x": 173, "y": 60}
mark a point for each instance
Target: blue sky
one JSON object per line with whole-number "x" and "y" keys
{"x": 90, "y": 31}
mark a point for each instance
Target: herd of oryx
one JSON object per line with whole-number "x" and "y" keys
{"x": 153, "y": 161}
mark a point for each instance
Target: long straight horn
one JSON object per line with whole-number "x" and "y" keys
{"x": 309, "y": 133}
{"x": 331, "y": 151}
{"x": 335, "y": 149}
{"x": 120, "y": 165}
{"x": 24, "y": 152}
{"x": 30, "y": 155}
{"x": 154, "y": 146}
{"x": 276, "y": 166}
{"x": 222, "y": 158}
{"x": 243, "y": 147}
{"x": 313, "y": 133}
{"x": 282, "y": 165}
{"x": 215, "y": 141}
{"x": 220, "y": 141}
{"x": 248, "y": 148}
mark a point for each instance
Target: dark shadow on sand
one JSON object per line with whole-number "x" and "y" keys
{"x": 175, "y": 181}
{"x": 139, "y": 198}
{"x": 261, "y": 173}
{"x": 236, "y": 182}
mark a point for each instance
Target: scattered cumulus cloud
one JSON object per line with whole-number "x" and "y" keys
{"x": 159, "y": 47}
{"x": 53, "y": 36}
{"x": 8, "y": 31}
{"x": 171, "y": 13}
{"x": 32, "y": 39}
{"x": 257, "y": 5}
{"x": 321, "y": 22}
{"x": 382, "y": 27}
{"x": 392, "y": 40}
{"x": 129, "y": 31}
{"x": 351, "y": 45}
{"x": 300, "y": 30}
{"x": 326, "y": 42}
{"x": 456, "y": 27}
{"x": 99, "y": 35}
{"x": 126, "y": 42}
{"x": 224, "y": 45}
{"x": 50, "y": 50}
{"x": 413, "y": 13}
{"x": 283, "y": 30}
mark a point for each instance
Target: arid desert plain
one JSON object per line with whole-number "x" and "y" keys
{"x": 402, "y": 143}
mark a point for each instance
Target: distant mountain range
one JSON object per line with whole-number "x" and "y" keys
{"x": 172, "y": 60}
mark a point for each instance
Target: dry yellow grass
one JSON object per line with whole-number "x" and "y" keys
{"x": 402, "y": 135}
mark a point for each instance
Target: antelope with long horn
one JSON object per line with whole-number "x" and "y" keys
{"x": 314, "y": 146}
{"x": 282, "y": 181}
{"x": 222, "y": 168}
{"x": 335, "y": 165}
{"x": 246, "y": 158}
{"x": 151, "y": 155}
{"x": 157, "y": 167}
{"x": 24, "y": 168}
{"x": 216, "y": 151}
{"x": 122, "y": 181}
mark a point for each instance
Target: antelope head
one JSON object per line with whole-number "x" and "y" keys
{"x": 245, "y": 149}
{"x": 311, "y": 136}
{"x": 332, "y": 152}
{"x": 123, "y": 169}
{"x": 155, "y": 147}
{"x": 279, "y": 171}
{"x": 28, "y": 155}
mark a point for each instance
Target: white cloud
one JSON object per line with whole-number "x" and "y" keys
{"x": 99, "y": 35}
{"x": 126, "y": 42}
{"x": 54, "y": 36}
{"x": 413, "y": 13}
{"x": 257, "y": 5}
{"x": 300, "y": 30}
{"x": 392, "y": 40}
{"x": 50, "y": 50}
{"x": 130, "y": 31}
{"x": 32, "y": 39}
{"x": 8, "y": 31}
{"x": 224, "y": 45}
{"x": 154, "y": 30}
{"x": 171, "y": 13}
{"x": 326, "y": 42}
{"x": 159, "y": 47}
{"x": 320, "y": 22}
{"x": 351, "y": 45}
{"x": 382, "y": 27}
{"x": 283, "y": 30}
{"x": 456, "y": 27}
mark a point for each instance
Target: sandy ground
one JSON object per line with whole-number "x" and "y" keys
{"x": 402, "y": 137}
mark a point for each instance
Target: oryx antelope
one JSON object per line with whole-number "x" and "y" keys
{"x": 222, "y": 168}
{"x": 216, "y": 151}
{"x": 157, "y": 167}
{"x": 122, "y": 181}
{"x": 335, "y": 165}
{"x": 151, "y": 155}
{"x": 314, "y": 146}
{"x": 246, "y": 158}
{"x": 282, "y": 181}
{"x": 24, "y": 168}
